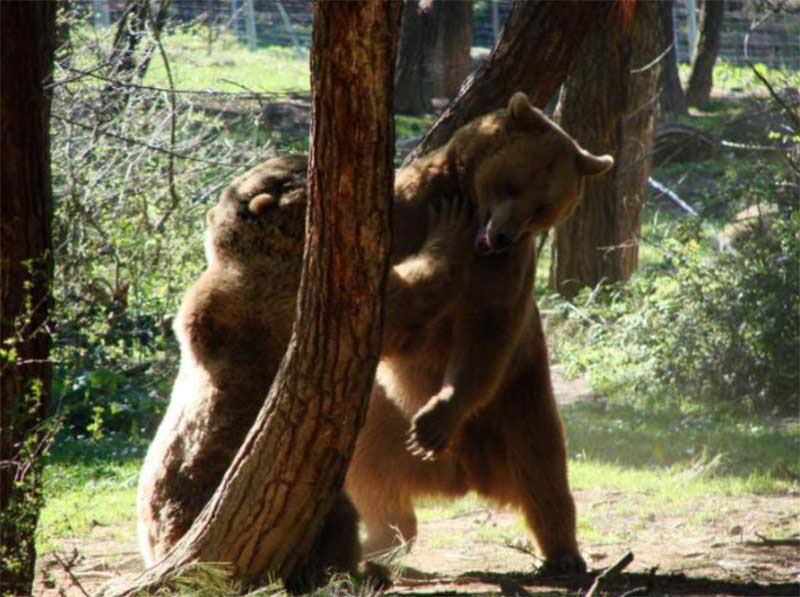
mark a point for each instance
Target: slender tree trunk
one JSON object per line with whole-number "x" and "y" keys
{"x": 412, "y": 88}
{"x": 536, "y": 48}
{"x": 673, "y": 99}
{"x": 701, "y": 79}
{"x": 433, "y": 54}
{"x": 26, "y": 272}
{"x": 450, "y": 61}
{"x": 608, "y": 104}
{"x": 273, "y": 499}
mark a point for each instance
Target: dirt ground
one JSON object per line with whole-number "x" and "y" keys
{"x": 465, "y": 553}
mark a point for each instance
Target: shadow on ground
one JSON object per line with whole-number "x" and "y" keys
{"x": 628, "y": 584}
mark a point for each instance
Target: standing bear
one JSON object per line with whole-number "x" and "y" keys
{"x": 464, "y": 379}
{"x": 467, "y": 403}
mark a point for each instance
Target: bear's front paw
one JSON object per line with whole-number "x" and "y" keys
{"x": 452, "y": 225}
{"x": 432, "y": 427}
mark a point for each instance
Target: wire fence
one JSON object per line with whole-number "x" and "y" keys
{"x": 775, "y": 42}
{"x": 772, "y": 38}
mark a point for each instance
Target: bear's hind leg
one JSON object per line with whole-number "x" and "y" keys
{"x": 384, "y": 477}
{"x": 538, "y": 458}
{"x": 391, "y": 527}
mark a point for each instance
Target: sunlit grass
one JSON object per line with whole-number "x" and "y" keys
{"x": 741, "y": 78}
{"x": 618, "y": 447}
{"x": 230, "y": 66}
{"x": 89, "y": 483}
{"x": 657, "y": 465}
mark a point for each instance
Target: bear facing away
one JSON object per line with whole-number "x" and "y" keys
{"x": 234, "y": 325}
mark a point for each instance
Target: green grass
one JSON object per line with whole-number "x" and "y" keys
{"x": 660, "y": 463}
{"x": 740, "y": 77}
{"x": 412, "y": 126}
{"x": 230, "y": 66}
{"x": 89, "y": 483}
{"x": 730, "y": 456}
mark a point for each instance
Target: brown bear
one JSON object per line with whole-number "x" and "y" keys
{"x": 475, "y": 384}
{"x": 233, "y": 327}
{"x": 464, "y": 363}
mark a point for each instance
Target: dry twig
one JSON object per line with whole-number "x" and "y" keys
{"x": 67, "y": 567}
{"x": 610, "y": 573}
{"x": 791, "y": 541}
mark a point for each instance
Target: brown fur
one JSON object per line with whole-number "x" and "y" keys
{"x": 476, "y": 383}
{"x": 234, "y": 325}
{"x": 468, "y": 368}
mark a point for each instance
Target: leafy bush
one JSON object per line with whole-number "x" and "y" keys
{"x": 136, "y": 164}
{"x": 700, "y": 328}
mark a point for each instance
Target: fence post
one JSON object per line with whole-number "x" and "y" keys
{"x": 691, "y": 13}
{"x": 675, "y": 37}
{"x": 235, "y": 18}
{"x": 251, "y": 24}
{"x": 288, "y": 24}
{"x": 101, "y": 13}
{"x": 495, "y": 21}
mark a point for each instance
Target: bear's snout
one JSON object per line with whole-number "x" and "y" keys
{"x": 489, "y": 242}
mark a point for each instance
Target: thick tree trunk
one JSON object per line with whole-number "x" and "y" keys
{"x": 433, "y": 55}
{"x": 26, "y": 271}
{"x": 536, "y": 48}
{"x": 701, "y": 79}
{"x": 271, "y": 503}
{"x": 608, "y": 104}
{"x": 673, "y": 99}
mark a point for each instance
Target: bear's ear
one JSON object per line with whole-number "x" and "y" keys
{"x": 591, "y": 165}
{"x": 523, "y": 112}
{"x": 261, "y": 203}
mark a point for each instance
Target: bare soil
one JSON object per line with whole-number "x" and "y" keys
{"x": 484, "y": 551}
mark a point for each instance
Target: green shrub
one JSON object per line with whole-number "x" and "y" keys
{"x": 700, "y": 328}
{"x": 132, "y": 180}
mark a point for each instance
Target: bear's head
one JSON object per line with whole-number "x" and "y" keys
{"x": 525, "y": 172}
{"x": 261, "y": 214}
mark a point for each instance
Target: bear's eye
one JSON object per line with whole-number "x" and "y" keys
{"x": 509, "y": 189}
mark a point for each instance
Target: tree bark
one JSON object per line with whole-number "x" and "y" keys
{"x": 608, "y": 104}
{"x": 536, "y": 48}
{"x": 673, "y": 99}
{"x": 272, "y": 501}
{"x": 450, "y": 62}
{"x": 412, "y": 92}
{"x": 701, "y": 79}
{"x": 433, "y": 54}
{"x": 26, "y": 272}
